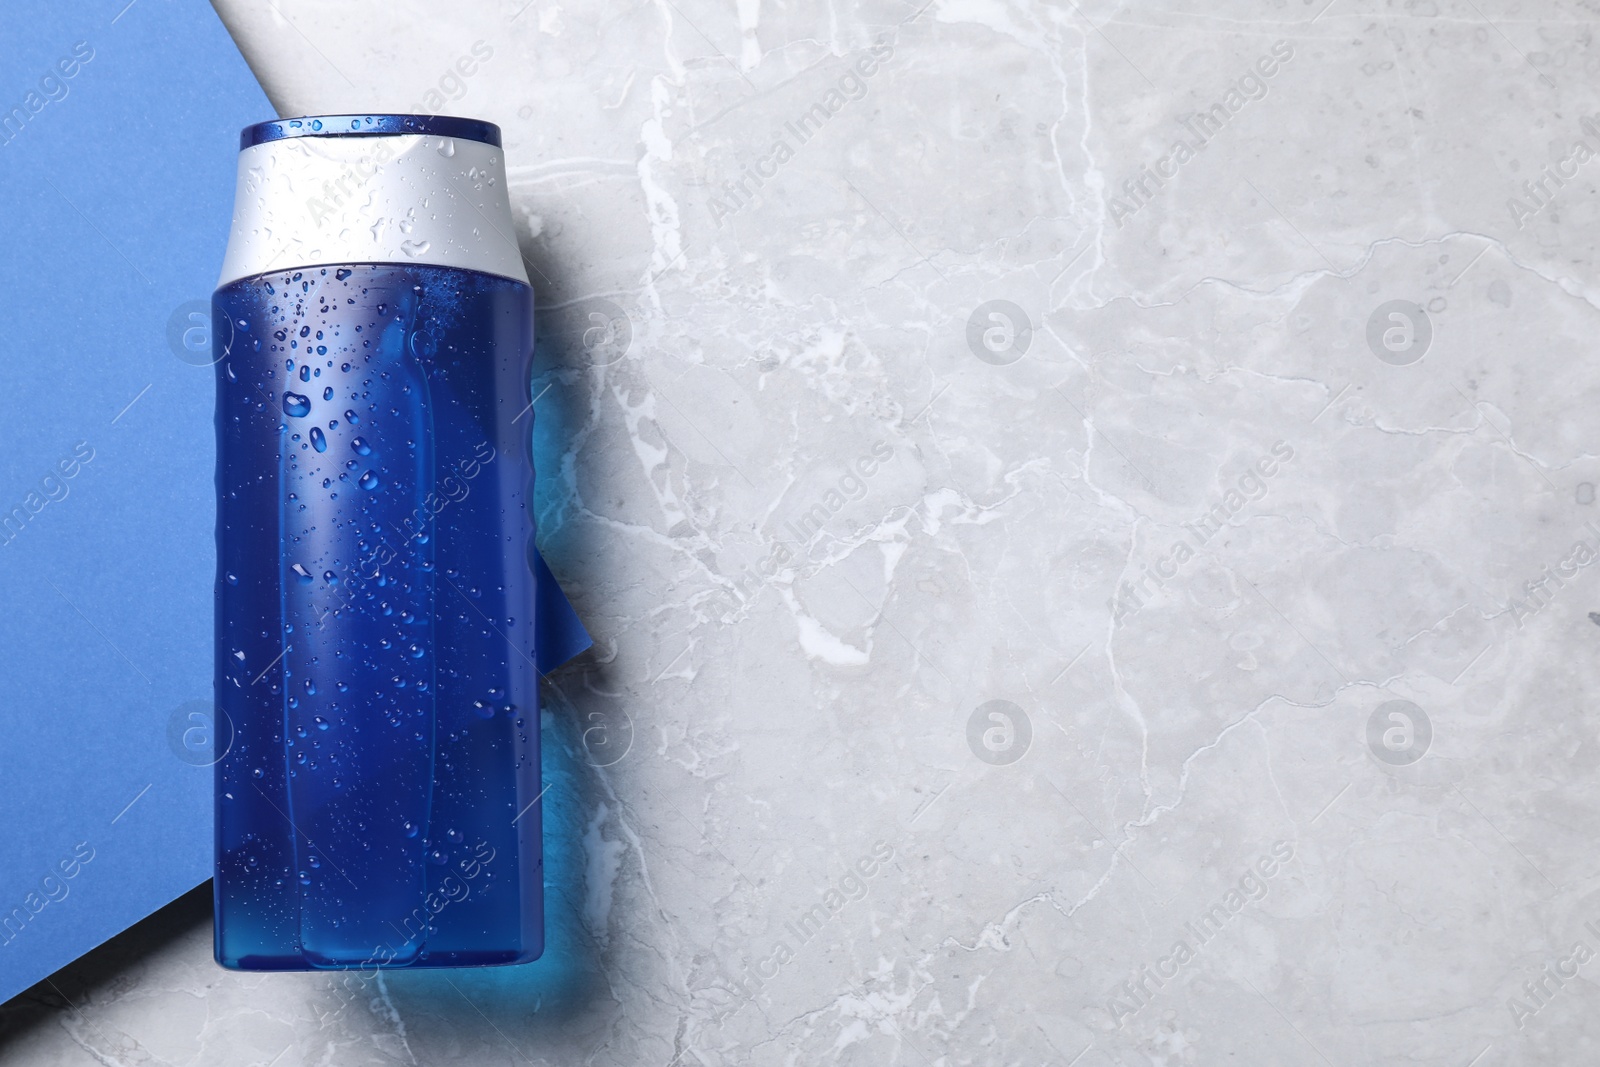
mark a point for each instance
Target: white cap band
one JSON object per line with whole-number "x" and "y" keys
{"x": 375, "y": 198}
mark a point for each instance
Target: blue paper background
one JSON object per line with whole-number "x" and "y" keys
{"x": 116, "y": 204}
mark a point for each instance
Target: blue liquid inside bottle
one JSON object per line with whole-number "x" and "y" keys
{"x": 375, "y": 608}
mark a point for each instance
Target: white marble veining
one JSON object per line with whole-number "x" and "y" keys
{"x": 1061, "y": 598}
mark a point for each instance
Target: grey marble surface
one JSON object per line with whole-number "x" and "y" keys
{"x": 1062, "y": 598}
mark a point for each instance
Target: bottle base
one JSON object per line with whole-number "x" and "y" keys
{"x": 474, "y": 958}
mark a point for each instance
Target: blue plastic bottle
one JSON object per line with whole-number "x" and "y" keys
{"x": 378, "y": 806}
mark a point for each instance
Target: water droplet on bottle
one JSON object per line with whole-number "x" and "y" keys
{"x": 322, "y": 724}
{"x": 296, "y": 406}
{"x": 342, "y": 273}
{"x": 233, "y": 579}
{"x": 361, "y": 446}
{"x": 414, "y": 248}
{"x": 300, "y": 573}
{"x": 352, "y": 418}
{"x": 455, "y": 837}
{"x": 368, "y": 481}
{"x": 447, "y": 147}
{"x": 410, "y": 828}
{"x": 305, "y": 373}
{"x": 318, "y": 442}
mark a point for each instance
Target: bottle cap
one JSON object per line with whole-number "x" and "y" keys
{"x": 340, "y": 189}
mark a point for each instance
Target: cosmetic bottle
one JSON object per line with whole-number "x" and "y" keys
{"x": 378, "y": 802}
